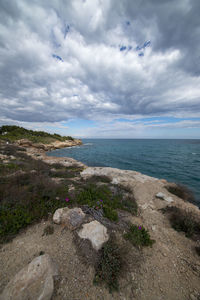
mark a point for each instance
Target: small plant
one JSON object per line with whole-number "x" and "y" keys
{"x": 130, "y": 205}
{"x": 110, "y": 213}
{"x": 109, "y": 267}
{"x": 49, "y": 229}
{"x": 138, "y": 236}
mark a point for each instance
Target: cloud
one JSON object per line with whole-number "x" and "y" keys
{"x": 99, "y": 60}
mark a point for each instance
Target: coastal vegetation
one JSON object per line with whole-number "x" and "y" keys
{"x": 14, "y": 133}
{"x": 138, "y": 236}
{"x": 109, "y": 266}
{"x": 29, "y": 192}
{"x": 184, "y": 221}
{"x": 182, "y": 192}
{"x": 32, "y": 188}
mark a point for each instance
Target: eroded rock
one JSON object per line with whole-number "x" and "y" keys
{"x": 96, "y": 233}
{"x": 164, "y": 197}
{"x": 33, "y": 282}
{"x": 72, "y": 218}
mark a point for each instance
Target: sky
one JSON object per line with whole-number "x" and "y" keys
{"x": 101, "y": 68}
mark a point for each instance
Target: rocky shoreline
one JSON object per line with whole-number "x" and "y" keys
{"x": 169, "y": 270}
{"x": 38, "y": 151}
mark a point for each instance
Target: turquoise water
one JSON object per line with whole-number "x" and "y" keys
{"x": 173, "y": 160}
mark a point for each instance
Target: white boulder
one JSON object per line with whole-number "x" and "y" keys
{"x": 33, "y": 282}
{"x": 96, "y": 233}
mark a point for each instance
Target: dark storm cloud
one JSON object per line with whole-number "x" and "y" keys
{"x": 99, "y": 59}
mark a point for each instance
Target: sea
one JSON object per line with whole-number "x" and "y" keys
{"x": 174, "y": 160}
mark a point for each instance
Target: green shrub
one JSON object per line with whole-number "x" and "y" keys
{"x": 130, "y": 205}
{"x": 13, "y": 219}
{"x": 110, "y": 213}
{"x": 15, "y": 133}
{"x": 138, "y": 236}
{"x": 92, "y": 194}
{"x": 109, "y": 267}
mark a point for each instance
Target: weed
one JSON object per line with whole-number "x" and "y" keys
{"x": 109, "y": 267}
{"x": 138, "y": 236}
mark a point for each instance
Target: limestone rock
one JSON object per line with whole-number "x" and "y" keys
{"x": 164, "y": 197}
{"x": 169, "y": 199}
{"x": 117, "y": 176}
{"x": 160, "y": 195}
{"x": 72, "y": 218}
{"x": 33, "y": 282}
{"x": 95, "y": 232}
{"x": 24, "y": 143}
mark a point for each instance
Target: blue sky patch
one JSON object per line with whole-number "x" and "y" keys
{"x": 57, "y": 57}
{"x": 158, "y": 120}
{"x": 122, "y": 48}
{"x": 145, "y": 45}
{"x": 66, "y": 30}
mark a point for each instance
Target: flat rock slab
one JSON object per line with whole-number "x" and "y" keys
{"x": 96, "y": 233}
{"x": 33, "y": 282}
{"x": 72, "y": 218}
{"x": 117, "y": 176}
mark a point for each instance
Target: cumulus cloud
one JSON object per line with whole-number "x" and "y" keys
{"x": 98, "y": 60}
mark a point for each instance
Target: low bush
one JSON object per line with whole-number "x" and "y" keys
{"x": 110, "y": 213}
{"x": 8, "y": 168}
{"x": 182, "y": 192}
{"x": 92, "y": 195}
{"x": 27, "y": 198}
{"x": 182, "y": 220}
{"x": 130, "y": 205}
{"x": 109, "y": 267}
{"x": 138, "y": 236}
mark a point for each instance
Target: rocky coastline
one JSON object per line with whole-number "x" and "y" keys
{"x": 38, "y": 151}
{"x": 169, "y": 270}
